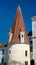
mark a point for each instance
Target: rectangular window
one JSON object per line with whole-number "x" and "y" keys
{"x": 26, "y": 62}
{"x": 3, "y": 51}
{"x": 2, "y": 60}
{"x": 25, "y": 53}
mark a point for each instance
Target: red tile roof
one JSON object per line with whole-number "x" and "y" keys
{"x": 3, "y": 45}
{"x": 18, "y": 24}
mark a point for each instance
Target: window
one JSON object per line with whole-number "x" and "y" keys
{"x": 9, "y": 51}
{"x": 3, "y": 51}
{"x": 26, "y": 62}
{"x": 25, "y": 53}
{"x": 19, "y": 36}
{"x": 20, "y": 30}
{"x": 2, "y": 60}
{"x": 22, "y": 35}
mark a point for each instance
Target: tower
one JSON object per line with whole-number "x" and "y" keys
{"x": 34, "y": 37}
{"x": 18, "y": 26}
{"x": 19, "y": 49}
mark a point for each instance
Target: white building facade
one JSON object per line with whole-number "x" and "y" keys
{"x": 19, "y": 54}
{"x": 34, "y": 37}
{"x": 3, "y": 54}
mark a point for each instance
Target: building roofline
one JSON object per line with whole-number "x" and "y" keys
{"x": 3, "y": 45}
{"x": 18, "y": 43}
{"x": 33, "y": 17}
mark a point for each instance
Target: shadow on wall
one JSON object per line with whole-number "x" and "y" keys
{"x": 15, "y": 63}
{"x": 3, "y": 64}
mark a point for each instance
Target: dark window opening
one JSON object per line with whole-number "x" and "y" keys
{"x": 19, "y": 36}
{"x": 26, "y": 62}
{"x": 25, "y": 53}
{"x": 5, "y": 63}
{"x": 3, "y": 51}
{"x": 5, "y": 45}
{"x": 2, "y": 60}
{"x": 32, "y": 62}
{"x": 22, "y": 35}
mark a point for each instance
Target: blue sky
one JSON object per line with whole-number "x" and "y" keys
{"x": 7, "y": 14}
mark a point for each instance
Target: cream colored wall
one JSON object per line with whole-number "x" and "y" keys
{"x": 34, "y": 37}
{"x": 34, "y": 49}
{"x": 34, "y": 28}
{"x": 18, "y": 53}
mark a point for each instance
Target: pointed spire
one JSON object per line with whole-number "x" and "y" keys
{"x": 18, "y": 24}
{"x": 19, "y": 9}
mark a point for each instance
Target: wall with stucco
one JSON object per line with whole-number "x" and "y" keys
{"x": 18, "y": 53}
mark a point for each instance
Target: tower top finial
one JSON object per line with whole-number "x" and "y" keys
{"x": 18, "y": 2}
{"x": 19, "y": 6}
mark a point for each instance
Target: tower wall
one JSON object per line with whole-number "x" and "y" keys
{"x": 17, "y": 54}
{"x": 34, "y": 37}
{"x": 18, "y": 47}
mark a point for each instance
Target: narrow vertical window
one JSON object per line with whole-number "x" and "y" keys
{"x": 2, "y": 60}
{"x": 26, "y": 62}
{"x": 3, "y": 51}
{"x": 19, "y": 36}
{"x": 25, "y": 53}
{"x": 22, "y": 36}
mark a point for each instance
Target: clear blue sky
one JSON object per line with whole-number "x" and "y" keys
{"x": 7, "y": 14}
